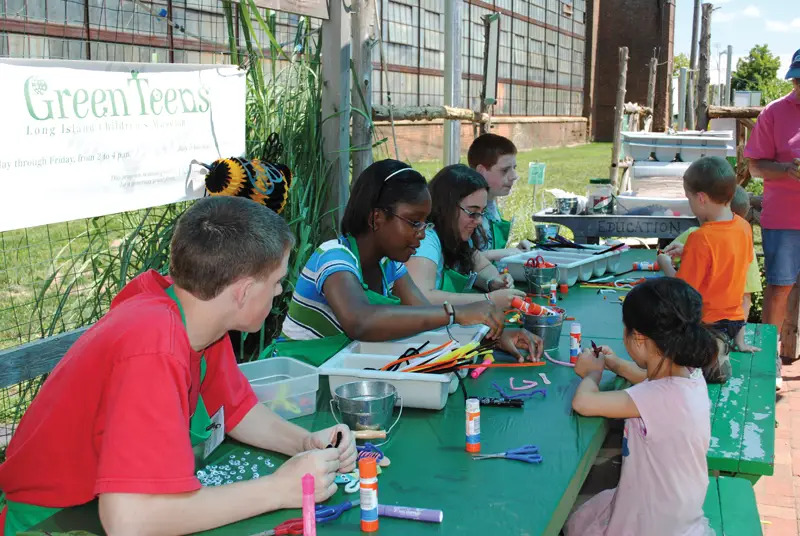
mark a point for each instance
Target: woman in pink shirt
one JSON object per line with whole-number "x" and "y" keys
{"x": 774, "y": 153}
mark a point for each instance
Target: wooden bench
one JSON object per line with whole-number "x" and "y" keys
{"x": 730, "y": 507}
{"x": 743, "y": 411}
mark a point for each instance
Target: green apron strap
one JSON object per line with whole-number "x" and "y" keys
{"x": 501, "y": 230}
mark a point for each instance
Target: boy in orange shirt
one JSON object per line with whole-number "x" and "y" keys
{"x": 716, "y": 256}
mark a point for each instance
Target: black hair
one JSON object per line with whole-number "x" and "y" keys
{"x": 669, "y": 311}
{"x": 448, "y": 188}
{"x": 221, "y": 239}
{"x": 371, "y": 190}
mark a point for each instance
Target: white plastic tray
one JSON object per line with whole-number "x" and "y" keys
{"x": 426, "y": 391}
{"x": 573, "y": 264}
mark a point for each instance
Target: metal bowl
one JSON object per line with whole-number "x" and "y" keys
{"x": 365, "y": 404}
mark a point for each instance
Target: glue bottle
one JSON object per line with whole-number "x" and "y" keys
{"x": 553, "y": 297}
{"x": 574, "y": 342}
{"x": 645, "y": 266}
{"x": 529, "y": 308}
{"x": 368, "y": 473}
{"x": 473, "y": 425}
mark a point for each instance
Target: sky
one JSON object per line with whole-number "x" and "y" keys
{"x": 743, "y": 24}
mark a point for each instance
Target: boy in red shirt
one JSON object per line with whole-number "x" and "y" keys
{"x": 138, "y": 398}
{"x": 716, "y": 256}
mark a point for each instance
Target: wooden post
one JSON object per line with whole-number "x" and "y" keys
{"x": 452, "y": 78}
{"x": 336, "y": 107}
{"x": 728, "y": 75}
{"x": 364, "y": 36}
{"x": 690, "y": 93}
{"x": 619, "y": 111}
{"x": 651, "y": 83}
{"x": 682, "y": 100}
{"x": 790, "y": 336}
{"x": 704, "y": 77}
{"x": 742, "y": 164}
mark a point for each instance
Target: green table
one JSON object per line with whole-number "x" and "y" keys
{"x": 431, "y": 469}
{"x": 743, "y": 411}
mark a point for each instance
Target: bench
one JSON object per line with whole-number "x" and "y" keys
{"x": 743, "y": 411}
{"x": 730, "y": 507}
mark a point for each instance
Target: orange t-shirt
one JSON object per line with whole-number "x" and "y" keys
{"x": 714, "y": 261}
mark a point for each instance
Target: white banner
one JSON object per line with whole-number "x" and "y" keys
{"x": 81, "y": 139}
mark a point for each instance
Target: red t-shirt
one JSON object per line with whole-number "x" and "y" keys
{"x": 114, "y": 414}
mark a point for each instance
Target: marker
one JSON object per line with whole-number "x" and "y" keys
{"x": 408, "y": 512}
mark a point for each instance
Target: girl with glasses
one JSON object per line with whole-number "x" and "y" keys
{"x": 448, "y": 262}
{"x": 356, "y": 287}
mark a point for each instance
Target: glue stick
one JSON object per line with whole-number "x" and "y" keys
{"x": 574, "y": 341}
{"x": 529, "y": 308}
{"x": 478, "y": 371}
{"x": 473, "y": 425}
{"x": 368, "y": 473}
{"x": 553, "y": 297}
{"x": 645, "y": 266}
{"x": 309, "y": 516}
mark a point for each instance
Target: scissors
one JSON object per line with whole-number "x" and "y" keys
{"x": 525, "y": 453}
{"x": 323, "y": 514}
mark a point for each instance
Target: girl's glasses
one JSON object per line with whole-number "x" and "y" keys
{"x": 418, "y": 226}
{"x": 473, "y": 215}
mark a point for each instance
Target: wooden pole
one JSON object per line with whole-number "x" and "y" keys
{"x": 452, "y": 78}
{"x": 690, "y": 93}
{"x": 651, "y": 83}
{"x": 728, "y": 75}
{"x": 682, "y": 100}
{"x": 363, "y": 36}
{"x": 336, "y": 107}
{"x": 790, "y": 336}
{"x": 704, "y": 76}
{"x": 619, "y": 110}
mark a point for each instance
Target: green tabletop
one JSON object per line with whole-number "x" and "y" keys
{"x": 743, "y": 410}
{"x": 430, "y": 468}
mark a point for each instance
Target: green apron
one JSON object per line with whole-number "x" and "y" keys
{"x": 22, "y": 517}
{"x": 501, "y": 230}
{"x": 453, "y": 281}
{"x": 316, "y": 351}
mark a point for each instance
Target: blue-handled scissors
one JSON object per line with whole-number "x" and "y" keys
{"x": 525, "y": 453}
{"x": 328, "y": 513}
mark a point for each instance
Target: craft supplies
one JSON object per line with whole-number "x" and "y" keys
{"x": 478, "y": 371}
{"x": 525, "y": 453}
{"x": 309, "y": 517}
{"x": 530, "y": 308}
{"x": 553, "y": 296}
{"x": 563, "y": 288}
{"x": 518, "y": 396}
{"x": 365, "y": 405}
{"x": 337, "y": 441}
{"x": 543, "y": 376}
{"x": 368, "y": 471}
{"x": 325, "y": 514}
{"x": 555, "y": 362}
{"x": 473, "y": 425}
{"x": 290, "y": 526}
{"x": 644, "y": 266}
{"x": 408, "y": 512}
{"x": 501, "y": 402}
{"x": 574, "y": 341}
{"x": 526, "y": 384}
{"x": 596, "y": 349}
{"x": 370, "y": 434}
{"x": 235, "y": 468}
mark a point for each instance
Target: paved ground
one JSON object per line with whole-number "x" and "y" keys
{"x": 778, "y": 496}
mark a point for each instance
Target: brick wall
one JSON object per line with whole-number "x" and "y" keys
{"x": 641, "y": 25}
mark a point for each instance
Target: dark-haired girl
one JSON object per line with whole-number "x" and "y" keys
{"x": 355, "y": 287}
{"x": 667, "y": 416}
{"x": 449, "y": 260}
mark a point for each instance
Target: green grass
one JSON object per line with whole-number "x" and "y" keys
{"x": 568, "y": 168}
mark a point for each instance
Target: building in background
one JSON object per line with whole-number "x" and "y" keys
{"x": 557, "y": 68}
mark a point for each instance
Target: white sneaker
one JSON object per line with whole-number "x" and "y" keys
{"x": 778, "y": 377}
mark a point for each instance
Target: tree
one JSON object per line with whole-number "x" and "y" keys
{"x": 775, "y": 89}
{"x": 681, "y": 60}
{"x": 757, "y": 70}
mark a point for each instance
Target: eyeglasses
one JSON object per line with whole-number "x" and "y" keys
{"x": 473, "y": 215}
{"x": 418, "y": 226}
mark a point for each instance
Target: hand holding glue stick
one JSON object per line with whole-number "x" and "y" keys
{"x": 531, "y": 308}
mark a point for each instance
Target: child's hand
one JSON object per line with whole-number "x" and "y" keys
{"x": 665, "y": 263}
{"x": 502, "y": 281}
{"x": 588, "y": 363}
{"x": 674, "y": 250}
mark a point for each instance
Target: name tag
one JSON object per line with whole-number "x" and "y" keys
{"x": 217, "y": 427}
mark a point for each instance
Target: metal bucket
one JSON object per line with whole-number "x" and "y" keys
{"x": 539, "y": 279}
{"x": 365, "y": 404}
{"x": 547, "y": 327}
{"x": 546, "y": 231}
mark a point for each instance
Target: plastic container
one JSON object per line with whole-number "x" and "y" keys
{"x": 573, "y": 264}
{"x": 283, "y": 384}
{"x": 600, "y": 197}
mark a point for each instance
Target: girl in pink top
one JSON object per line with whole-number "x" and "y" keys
{"x": 774, "y": 153}
{"x": 667, "y": 417}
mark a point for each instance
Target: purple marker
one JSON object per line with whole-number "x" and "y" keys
{"x": 408, "y": 512}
